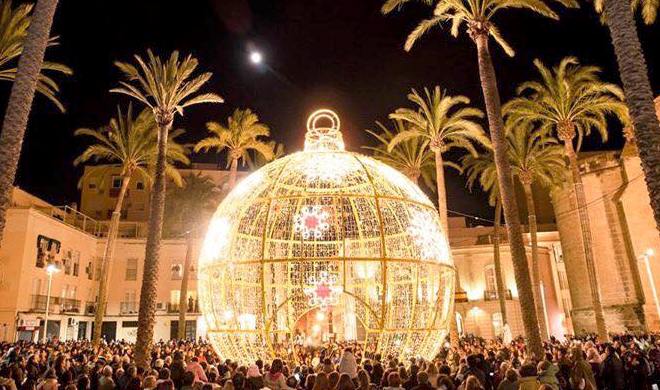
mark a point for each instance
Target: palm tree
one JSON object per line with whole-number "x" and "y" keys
{"x": 571, "y": 100}
{"x": 166, "y": 88}
{"x": 128, "y": 144}
{"x": 536, "y": 158}
{"x": 481, "y": 169}
{"x": 243, "y": 133}
{"x": 257, "y": 160}
{"x": 478, "y": 16}
{"x": 14, "y": 23}
{"x": 187, "y": 212}
{"x": 412, "y": 157}
{"x": 445, "y": 123}
{"x": 639, "y": 95}
{"x": 27, "y": 79}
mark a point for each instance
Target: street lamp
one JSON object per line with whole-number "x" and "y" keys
{"x": 50, "y": 270}
{"x": 647, "y": 263}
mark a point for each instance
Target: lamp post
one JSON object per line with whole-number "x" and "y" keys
{"x": 50, "y": 270}
{"x": 647, "y": 263}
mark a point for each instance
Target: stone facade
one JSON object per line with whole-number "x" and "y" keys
{"x": 620, "y": 216}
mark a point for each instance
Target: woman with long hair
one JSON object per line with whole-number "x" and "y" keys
{"x": 321, "y": 382}
{"x": 275, "y": 379}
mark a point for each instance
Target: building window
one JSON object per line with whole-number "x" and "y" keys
{"x": 177, "y": 270}
{"x": 131, "y": 269}
{"x": 498, "y": 324}
{"x": 116, "y": 182}
{"x": 491, "y": 280}
{"x": 139, "y": 186}
{"x": 89, "y": 270}
{"x": 459, "y": 323}
{"x": 91, "y": 185}
{"x": 76, "y": 263}
{"x": 68, "y": 262}
{"x": 175, "y": 295}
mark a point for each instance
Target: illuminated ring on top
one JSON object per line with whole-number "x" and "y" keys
{"x": 323, "y": 113}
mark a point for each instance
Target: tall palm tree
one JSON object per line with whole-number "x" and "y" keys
{"x": 478, "y": 16}
{"x": 438, "y": 120}
{"x": 14, "y": 23}
{"x": 27, "y": 80}
{"x": 445, "y": 122}
{"x": 166, "y": 88}
{"x": 188, "y": 210}
{"x": 412, "y": 157}
{"x": 639, "y": 96}
{"x": 242, "y": 134}
{"x": 536, "y": 158}
{"x": 572, "y": 101}
{"x": 481, "y": 169}
{"x": 128, "y": 144}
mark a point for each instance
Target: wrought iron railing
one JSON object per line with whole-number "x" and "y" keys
{"x": 491, "y": 295}
{"x": 64, "y": 305}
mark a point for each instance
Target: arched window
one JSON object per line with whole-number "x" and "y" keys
{"x": 459, "y": 323}
{"x": 498, "y": 324}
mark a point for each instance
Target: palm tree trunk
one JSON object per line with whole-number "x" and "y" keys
{"x": 442, "y": 212}
{"x": 106, "y": 262}
{"x": 183, "y": 298}
{"x": 442, "y": 193}
{"x": 585, "y": 230}
{"x": 536, "y": 273}
{"x": 507, "y": 195}
{"x": 146, "y": 316}
{"x": 233, "y": 171}
{"x": 501, "y": 288}
{"x": 20, "y": 100}
{"x": 639, "y": 96}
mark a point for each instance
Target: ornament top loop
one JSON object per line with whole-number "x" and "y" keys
{"x": 323, "y": 137}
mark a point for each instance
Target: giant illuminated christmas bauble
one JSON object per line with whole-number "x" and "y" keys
{"x": 331, "y": 231}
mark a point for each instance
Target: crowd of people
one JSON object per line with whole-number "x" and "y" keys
{"x": 628, "y": 362}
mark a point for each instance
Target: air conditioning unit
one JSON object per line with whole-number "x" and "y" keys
{"x": 161, "y": 306}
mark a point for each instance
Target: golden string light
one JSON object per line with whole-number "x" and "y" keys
{"x": 326, "y": 227}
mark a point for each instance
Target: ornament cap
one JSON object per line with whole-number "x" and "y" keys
{"x": 323, "y": 137}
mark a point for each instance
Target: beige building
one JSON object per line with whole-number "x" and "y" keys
{"x": 477, "y": 302}
{"x": 99, "y": 191}
{"x": 624, "y": 237}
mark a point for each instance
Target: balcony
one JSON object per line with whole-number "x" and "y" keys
{"x": 193, "y": 306}
{"x": 130, "y": 307}
{"x": 491, "y": 295}
{"x": 63, "y": 305}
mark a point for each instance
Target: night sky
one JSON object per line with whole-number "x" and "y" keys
{"x": 340, "y": 54}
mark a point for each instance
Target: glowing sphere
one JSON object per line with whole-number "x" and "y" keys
{"x": 325, "y": 229}
{"x": 256, "y": 57}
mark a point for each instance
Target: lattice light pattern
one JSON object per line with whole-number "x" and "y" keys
{"x": 329, "y": 216}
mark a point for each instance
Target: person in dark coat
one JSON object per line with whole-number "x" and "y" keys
{"x": 611, "y": 371}
{"x": 177, "y": 369}
{"x": 423, "y": 382}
